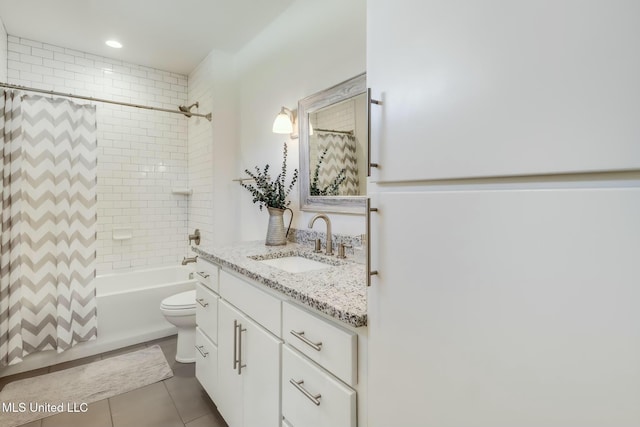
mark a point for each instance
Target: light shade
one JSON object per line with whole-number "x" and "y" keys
{"x": 282, "y": 123}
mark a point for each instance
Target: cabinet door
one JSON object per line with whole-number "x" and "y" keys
{"x": 313, "y": 398}
{"x": 260, "y": 376}
{"x": 505, "y": 308}
{"x": 493, "y": 88}
{"x": 229, "y": 402}
{"x": 207, "y": 364}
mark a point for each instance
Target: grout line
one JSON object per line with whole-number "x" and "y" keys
{"x": 173, "y": 401}
{"x": 110, "y": 413}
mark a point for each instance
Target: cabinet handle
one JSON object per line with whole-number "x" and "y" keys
{"x": 314, "y": 398}
{"x": 203, "y": 353}
{"x": 369, "y": 273}
{"x": 240, "y": 365}
{"x": 202, "y": 302}
{"x": 235, "y": 345}
{"x": 370, "y": 101}
{"x": 203, "y": 274}
{"x": 300, "y": 335}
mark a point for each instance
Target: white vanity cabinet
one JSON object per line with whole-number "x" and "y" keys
{"x": 207, "y": 326}
{"x": 278, "y": 363}
{"x": 248, "y": 358}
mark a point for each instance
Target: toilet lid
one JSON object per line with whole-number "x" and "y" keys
{"x": 180, "y": 301}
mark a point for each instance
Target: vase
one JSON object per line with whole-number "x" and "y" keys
{"x": 276, "y": 234}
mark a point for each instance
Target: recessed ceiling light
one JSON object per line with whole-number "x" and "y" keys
{"x": 113, "y": 43}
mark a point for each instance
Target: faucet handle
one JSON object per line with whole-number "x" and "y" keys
{"x": 317, "y": 247}
{"x": 341, "y": 250}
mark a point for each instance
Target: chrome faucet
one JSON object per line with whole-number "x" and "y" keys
{"x": 186, "y": 260}
{"x": 329, "y": 244}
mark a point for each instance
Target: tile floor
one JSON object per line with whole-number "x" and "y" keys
{"x": 178, "y": 401}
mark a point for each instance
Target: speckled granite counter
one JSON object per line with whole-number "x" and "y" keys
{"x": 338, "y": 291}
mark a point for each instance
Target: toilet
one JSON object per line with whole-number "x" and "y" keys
{"x": 180, "y": 310}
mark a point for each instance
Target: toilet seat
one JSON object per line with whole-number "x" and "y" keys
{"x": 182, "y": 301}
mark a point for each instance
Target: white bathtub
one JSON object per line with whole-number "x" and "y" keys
{"x": 129, "y": 304}
{"x": 128, "y": 313}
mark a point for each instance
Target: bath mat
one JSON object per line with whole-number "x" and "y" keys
{"x": 71, "y": 390}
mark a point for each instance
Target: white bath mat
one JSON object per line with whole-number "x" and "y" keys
{"x": 71, "y": 390}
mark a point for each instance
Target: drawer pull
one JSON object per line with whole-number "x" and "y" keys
{"x": 202, "y": 274}
{"x": 202, "y": 352}
{"x": 301, "y": 337}
{"x": 202, "y": 302}
{"x": 314, "y": 398}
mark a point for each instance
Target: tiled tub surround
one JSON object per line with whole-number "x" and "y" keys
{"x": 338, "y": 290}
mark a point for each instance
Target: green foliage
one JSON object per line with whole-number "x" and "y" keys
{"x": 333, "y": 188}
{"x": 266, "y": 192}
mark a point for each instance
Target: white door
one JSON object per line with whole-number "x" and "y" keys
{"x": 494, "y": 87}
{"x": 261, "y": 376}
{"x": 505, "y": 308}
{"x": 229, "y": 396}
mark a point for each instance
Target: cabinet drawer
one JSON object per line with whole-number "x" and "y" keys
{"x": 207, "y": 311}
{"x": 323, "y": 342}
{"x": 265, "y": 309}
{"x": 207, "y": 274}
{"x": 318, "y": 400}
{"x": 206, "y": 363}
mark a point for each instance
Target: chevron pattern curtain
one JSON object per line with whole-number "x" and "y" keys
{"x": 54, "y": 303}
{"x": 341, "y": 153}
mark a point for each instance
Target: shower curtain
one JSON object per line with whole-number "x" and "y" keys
{"x": 47, "y": 260}
{"x": 341, "y": 154}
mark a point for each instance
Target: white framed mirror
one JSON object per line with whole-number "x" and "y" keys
{"x": 332, "y": 127}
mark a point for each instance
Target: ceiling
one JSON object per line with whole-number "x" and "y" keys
{"x": 171, "y": 35}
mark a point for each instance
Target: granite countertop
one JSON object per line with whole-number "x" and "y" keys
{"x": 338, "y": 291}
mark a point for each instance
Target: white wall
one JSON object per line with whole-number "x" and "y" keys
{"x": 142, "y": 154}
{"x": 3, "y": 53}
{"x": 311, "y": 46}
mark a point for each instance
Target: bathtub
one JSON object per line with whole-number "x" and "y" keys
{"x": 128, "y": 313}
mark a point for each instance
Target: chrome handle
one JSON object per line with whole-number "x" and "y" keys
{"x": 369, "y": 102}
{"x": 203, "y": 353}
{"x": 369, "y": 273}
{"x": 314, "y": 398}
{"x": 202, "y": 274}
{"x": 240, "y": 365}
{"x": 301, "y": 337}
{"x": 235, "y": 345}
{"x": 202, "y": 302}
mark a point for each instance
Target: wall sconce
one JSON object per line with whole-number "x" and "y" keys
{"x": 283, "y": 123}
{"x": 286, "y": 122}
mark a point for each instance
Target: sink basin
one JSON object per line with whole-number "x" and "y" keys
{"x": 295, "y": 264}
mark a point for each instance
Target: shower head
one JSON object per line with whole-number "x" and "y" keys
{"x": 187, "y": 110}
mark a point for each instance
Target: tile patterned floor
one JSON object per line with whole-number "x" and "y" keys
{"x": 178, "y": 401}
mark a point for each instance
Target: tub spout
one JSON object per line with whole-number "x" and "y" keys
{"x": 186, "y": 260}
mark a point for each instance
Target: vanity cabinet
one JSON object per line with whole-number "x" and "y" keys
{"x": 278, "y": 363}
{"x": 248, "y": 361}
{"x": 478, "y": 89}
{"x": 207, "y": 326}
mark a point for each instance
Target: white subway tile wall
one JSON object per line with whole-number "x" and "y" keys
{"x": 142, "y": 154}
{"x": 338, "y": 117}
{"x": 201, "y": 153}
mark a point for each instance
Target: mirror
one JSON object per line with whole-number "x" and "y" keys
{"x": 332, "y": 127}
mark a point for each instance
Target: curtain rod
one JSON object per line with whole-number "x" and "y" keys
{"x": 346, "y": 132}
{"x": 108, "y": 101}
